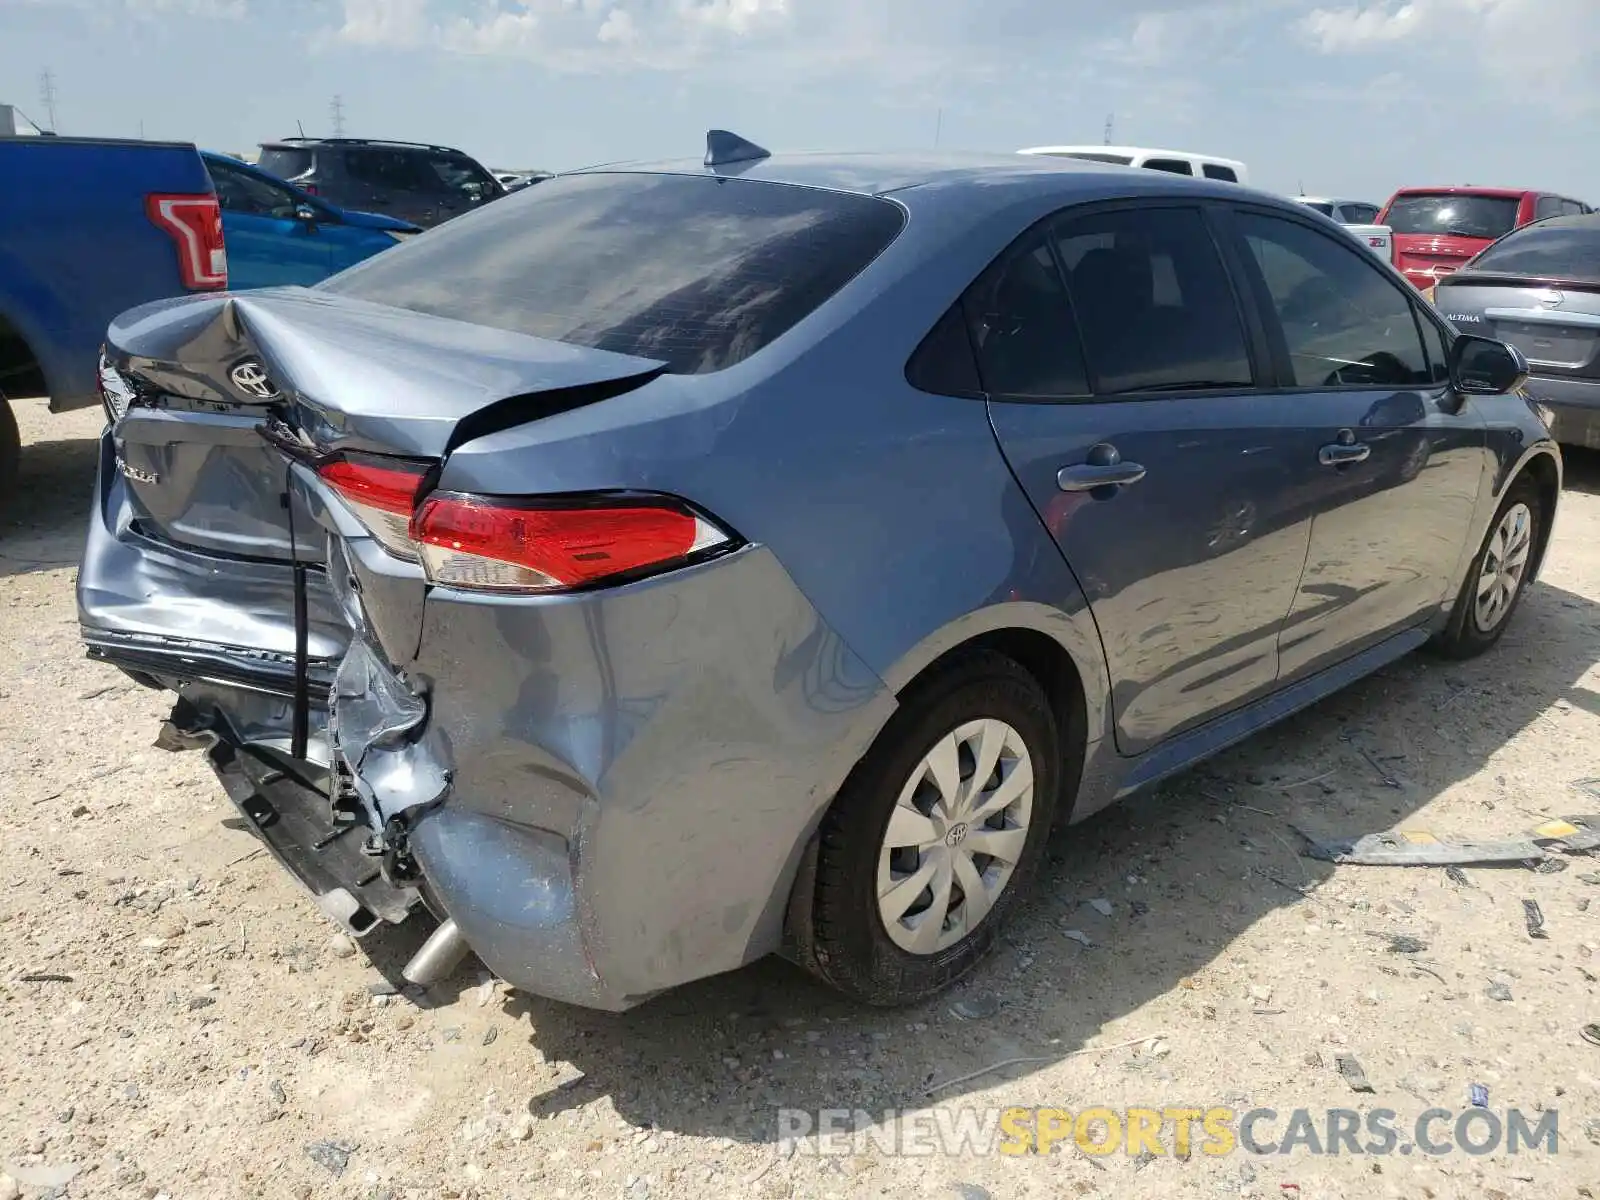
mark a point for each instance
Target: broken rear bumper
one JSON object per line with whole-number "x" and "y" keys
{"x": 610, "y": 793}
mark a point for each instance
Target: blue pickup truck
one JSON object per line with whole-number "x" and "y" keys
{"x": 88, "y": 229}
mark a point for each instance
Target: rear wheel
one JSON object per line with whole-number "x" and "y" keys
{"x": 1499, "y": 574}
{"x": 937, "y": 833}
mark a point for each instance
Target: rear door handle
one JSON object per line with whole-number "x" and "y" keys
{"x": 1104, "y": 469}
{"x": 1338, "y": 454}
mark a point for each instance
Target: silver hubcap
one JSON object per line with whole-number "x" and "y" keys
{"x": 1504, "y": 565}
{"x": 955, "y": 836}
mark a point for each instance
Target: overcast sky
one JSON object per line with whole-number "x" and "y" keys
{"x": 1335, "y": 96}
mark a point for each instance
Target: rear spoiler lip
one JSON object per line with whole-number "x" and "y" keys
{"x": 1466, "y": 277}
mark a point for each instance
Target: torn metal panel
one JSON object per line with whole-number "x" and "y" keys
{"x": 1574, "y": 835}
{"x": 1400, "y": 850}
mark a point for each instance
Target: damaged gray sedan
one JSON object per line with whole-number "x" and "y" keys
{"x": 664, "y": 567}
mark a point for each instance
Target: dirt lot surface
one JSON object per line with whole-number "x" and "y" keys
{"x": 177, "y": 1019}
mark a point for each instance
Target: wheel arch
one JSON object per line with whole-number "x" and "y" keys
{"x": 1543, "y": 467}
{"x": 1059, "y": 649}
{"x": 22, "y": 371}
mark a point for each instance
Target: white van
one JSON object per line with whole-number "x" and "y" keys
{"x": 1175, "y": 162}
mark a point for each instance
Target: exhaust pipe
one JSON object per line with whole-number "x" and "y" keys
{"x": 439, "y": 956}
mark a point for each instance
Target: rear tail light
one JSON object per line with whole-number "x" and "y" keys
{"x": 499, "y": 545}
{"x": 382, "y": 493}
{"x": 496, "y": 544}
{"x": 195, "y": 225}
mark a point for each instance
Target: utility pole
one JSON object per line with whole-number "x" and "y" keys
{"x": 47, "y": 97}
{"x": 336, "y": 110}
{"x": 1110, "y": 121}
{"x": 938, "y": 128}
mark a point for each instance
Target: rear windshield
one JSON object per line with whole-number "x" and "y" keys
{"x": 694, "y": 271}
{"x": 285, "y": 164}
{"x": 1554, "y": 252}
{"x": 1460, "y": 216}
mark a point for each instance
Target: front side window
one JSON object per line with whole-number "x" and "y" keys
{"x": 695, "y": 271}
{"x": 1345, "y": 323}
{"x": 1214, "y": 171}
{"x": 241, "y": 192}
{"x": 1153, "y": 302}
{"x": 458, "y": 173}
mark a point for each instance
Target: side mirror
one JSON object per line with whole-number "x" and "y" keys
{"x": 306, "y": 215}
{"x": 1481, "y": 366}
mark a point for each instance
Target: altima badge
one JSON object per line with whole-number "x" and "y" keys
{"x": 250, "y": 379}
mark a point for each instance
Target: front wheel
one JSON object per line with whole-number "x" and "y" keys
{"x": 937, "y": 833}
{"x": 1499, "y": 574}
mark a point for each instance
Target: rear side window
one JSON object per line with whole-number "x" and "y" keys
{"x": 1548, "y": 206}
{"x": 285, "y": 163}
{"x": 694, "y": 271}
{"x": 1022, "y": 326}
{"x": 1121, "y": 160}
{"x": 1461, "y": 216}
{"x": 1154, "y": 305}
{"x": 398, "y": 170}
{"x": 1172, "y": 166}
{"x": 1555, "y": 251}
{"x": 1213, "y": 171}
{"x": 1346, "y": 324}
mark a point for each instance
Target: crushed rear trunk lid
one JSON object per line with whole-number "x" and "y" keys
{"x": 205, "y": 377}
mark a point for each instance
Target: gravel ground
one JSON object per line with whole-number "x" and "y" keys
{"x": 176, "y": 1018}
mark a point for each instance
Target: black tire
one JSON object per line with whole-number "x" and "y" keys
{"x": 1464, "y": 637}
{"x": 852, "y": 949}
{"x": 10, "y": 452}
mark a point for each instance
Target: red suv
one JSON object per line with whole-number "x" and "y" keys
{"x": 1437, "y": 229}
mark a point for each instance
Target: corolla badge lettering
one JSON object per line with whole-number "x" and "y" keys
{"x": 135, "y": 474}
{"x": 251, "y": 379}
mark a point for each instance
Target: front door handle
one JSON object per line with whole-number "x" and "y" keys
{"x": 1339, "y": 454}
{"x": 1104, "y": 469}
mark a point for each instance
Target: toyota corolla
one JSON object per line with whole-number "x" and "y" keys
{"x": 668, "y": 566}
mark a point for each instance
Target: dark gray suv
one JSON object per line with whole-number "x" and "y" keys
{"x": 423, "y": 184}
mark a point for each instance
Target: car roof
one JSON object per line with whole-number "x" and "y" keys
{"x": 1132, "y": 152}
{"x": 303, "y": 143}
{"x": 1466, "y": 190}
{"x": 1586, "y": 221}
{"x": 881, "y": 174}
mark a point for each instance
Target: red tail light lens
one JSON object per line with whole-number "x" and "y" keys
{"x": 382, "y": 493}
{"x": 482, "y": 544}
{"x": 195, "y": 225}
